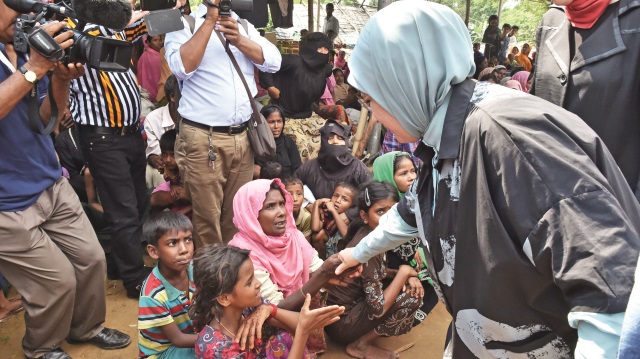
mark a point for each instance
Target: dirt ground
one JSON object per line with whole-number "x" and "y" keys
{"x": 427, "y": 339}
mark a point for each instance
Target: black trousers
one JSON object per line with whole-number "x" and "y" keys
{"x": 117, "y": 163}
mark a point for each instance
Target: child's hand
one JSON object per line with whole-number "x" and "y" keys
{"x": 311, "y": 320}
{"x": 178, "y": 193}
{"x": 414, "y": 287}
{"x": 251, "y": 327}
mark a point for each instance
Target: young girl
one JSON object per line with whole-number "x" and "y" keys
{"x": 370, "y": 311}
{"x": 227, "y": 293}
{"x": 328, "y": 225}
{"x": 399, "y": 169}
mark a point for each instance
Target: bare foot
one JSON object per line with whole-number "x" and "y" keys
{"x": 367, "y": 350}
{"x": 11, "y": 308}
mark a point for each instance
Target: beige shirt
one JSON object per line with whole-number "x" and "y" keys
{"x": 270, "y": 291}
{"x": 340, "y": 92}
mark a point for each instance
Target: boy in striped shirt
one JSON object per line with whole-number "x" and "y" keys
{"x": 165, "y": 329}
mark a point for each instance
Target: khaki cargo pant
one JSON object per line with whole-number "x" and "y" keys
{"x": 212, "y": 187}
{"x": 51, "y": 255}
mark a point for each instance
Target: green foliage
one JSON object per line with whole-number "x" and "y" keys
{"x": 524, "y": 13}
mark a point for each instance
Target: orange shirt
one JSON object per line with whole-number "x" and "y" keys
{"x": 523, "y": 60}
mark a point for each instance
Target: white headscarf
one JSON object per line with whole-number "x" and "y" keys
{"x": 407, "y": 58}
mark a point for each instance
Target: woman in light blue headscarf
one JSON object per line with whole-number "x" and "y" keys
{"x": 408, "y": 68}
{"x": 510, "y": 203}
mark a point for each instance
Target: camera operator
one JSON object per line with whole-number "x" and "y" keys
{"x": 106, "y": 107}
{"x": 212, "y": 148}
{"x": 48, "y": 249}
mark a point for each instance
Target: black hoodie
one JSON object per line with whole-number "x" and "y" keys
{"x": 301, "y": 78}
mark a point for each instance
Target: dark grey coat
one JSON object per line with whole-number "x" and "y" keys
{"x": 532, "y": 220}
{"x": 595, "y": 73}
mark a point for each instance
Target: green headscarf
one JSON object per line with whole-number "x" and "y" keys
{"x": 383, "y": 168}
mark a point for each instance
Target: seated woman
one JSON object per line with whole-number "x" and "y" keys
{"x": 370, "y": 311}
{"x": 342, "y": 93}
{"x": 283, "y": 258}
{"x": 287, "y": 154}
{"x": 398, "y": 169}
{"x": 334, "y": 164}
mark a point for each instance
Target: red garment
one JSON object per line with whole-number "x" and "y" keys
{"x": 583, "y": 14}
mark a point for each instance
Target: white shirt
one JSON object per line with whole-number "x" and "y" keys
{"x": 157, "y": 123}
{"x": 332, "y": 24}
{"x": 213, "y": 94}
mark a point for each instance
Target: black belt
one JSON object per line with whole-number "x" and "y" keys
{"x": 229, "y": 130}
{"x": 100, "y": 130}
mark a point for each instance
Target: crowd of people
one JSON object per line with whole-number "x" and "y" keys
{"x": 518, "y": 210}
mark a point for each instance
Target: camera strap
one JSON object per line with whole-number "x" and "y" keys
{"x": 254, "y": 107}
{"x": 34, "y": 111}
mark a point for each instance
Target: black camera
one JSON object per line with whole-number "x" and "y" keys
{"x": 236, "y": 5}
{"x": 100, "y": 53}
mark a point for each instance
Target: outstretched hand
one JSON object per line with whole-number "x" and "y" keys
{"x": 346, "y": 257}
{"x": 311, "y": 320}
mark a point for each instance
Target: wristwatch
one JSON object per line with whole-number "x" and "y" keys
{"x": 28, "y": 75}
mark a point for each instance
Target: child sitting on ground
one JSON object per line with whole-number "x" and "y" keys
{"x": 165, "y": 329}
{"x": 372, "y": 312}
{"x": 328, "y": 221}
{"x": 170, "y": 194}
{"x": 294, "y": 186}
{"x": 228, "y": 292}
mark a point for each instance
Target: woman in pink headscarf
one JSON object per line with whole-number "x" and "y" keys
{"x": 512, "y": 84}
{"x": 523, "y": 78}
{"x": 149, "y": 65}
{"x": 283, "y": 258}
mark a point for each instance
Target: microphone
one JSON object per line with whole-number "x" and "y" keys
{"x": 27, "y": 6}
{"x": 112, "y": 14}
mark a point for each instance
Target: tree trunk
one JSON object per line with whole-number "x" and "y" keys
{"x": 310, "y": 14}
{"x": 466, "y": 15}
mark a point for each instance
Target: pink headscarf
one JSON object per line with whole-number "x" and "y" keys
{"x": 327, "y": 96}
{"x": 287, "y": 258}
{"x": 522, "y": 77}
{"x": 512, "y": 84}
{"x": 338, "y": 62}
{"x": 149, "y": 67}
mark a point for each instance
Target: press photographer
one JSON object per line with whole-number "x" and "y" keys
{"x": 49, "y": 251}
{"x": 212, "y": 148}
{"x": 106, "y": 108}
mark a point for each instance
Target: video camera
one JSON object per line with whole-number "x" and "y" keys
{"x": 101, "y": 53}
{"x": 236, "y": 5}
{"x": 164, "y": 18}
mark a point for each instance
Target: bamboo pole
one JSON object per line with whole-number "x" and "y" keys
{"x": 362, "y": 123}
{"x": 371, "y": 124}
